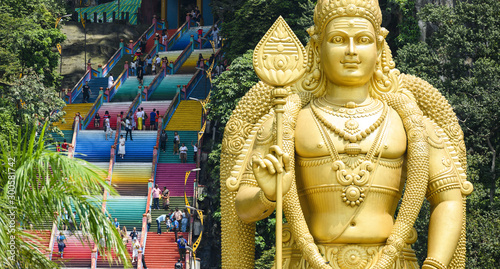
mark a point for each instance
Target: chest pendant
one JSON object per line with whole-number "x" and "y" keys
{"x": 351, "y": 171}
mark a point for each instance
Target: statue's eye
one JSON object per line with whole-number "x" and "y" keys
{"x": 337, "y": 40}
{"x": 364, "y": 40}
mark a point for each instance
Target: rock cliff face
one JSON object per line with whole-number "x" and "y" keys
{"x": 420, "y": 4}
{"x": 102, "y": 42}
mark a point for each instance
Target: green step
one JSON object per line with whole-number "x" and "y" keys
{"x": 186, "y": 137}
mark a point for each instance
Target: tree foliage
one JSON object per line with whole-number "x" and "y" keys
{"x": 33, "y": 177}
{"x": 28, "y": 38}
{"x": 254, "y": 17}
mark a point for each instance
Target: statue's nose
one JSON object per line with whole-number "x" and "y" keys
{"x": 351, "y": 48}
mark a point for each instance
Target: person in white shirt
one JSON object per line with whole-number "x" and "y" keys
{"x": 133, "y": 66}
{"x": 183, "y": 150}
{"x": 195, "y": 151}
{"x": 121, "y": 147}
{"x": 111, "y": 80}
{"x": 139, "y": 119}
{"x": 128, "y": 128}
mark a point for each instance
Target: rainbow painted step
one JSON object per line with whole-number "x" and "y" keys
{"x": 172, "y": 176}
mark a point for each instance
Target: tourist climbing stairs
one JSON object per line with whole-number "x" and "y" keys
{"x": 95, "y": 85}
{"x": 161, "y": 250}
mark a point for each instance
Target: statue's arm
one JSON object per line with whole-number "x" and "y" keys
{"x": 251, "y": 203}
{"x": 445, "y": 198}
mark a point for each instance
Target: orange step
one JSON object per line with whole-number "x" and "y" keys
{"x": 161, "y": 250}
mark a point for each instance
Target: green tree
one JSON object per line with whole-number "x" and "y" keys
{"x": 252, "y": 20}
{"x": 33, "y": 177}
{"x": 28, "y": 39}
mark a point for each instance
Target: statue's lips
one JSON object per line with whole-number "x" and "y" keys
{"x": 351, "y": 65}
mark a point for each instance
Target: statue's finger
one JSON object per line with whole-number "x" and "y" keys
{"x": 257, "y": 163}
{"x": 275, "y": 162}
{"x": 270, "y": 166}
{"x": 286, "y": 162}
{"x": 276, "y": 150}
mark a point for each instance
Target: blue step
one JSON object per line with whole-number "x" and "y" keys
{"x": 141, "y": 148}
{"x": 95, "y": 85}
{"x": 92, "y": 146}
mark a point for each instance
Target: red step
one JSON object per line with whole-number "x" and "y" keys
{"x": 76, "y": 253}
{"x": 161, "y": 250}
{"x": 102, "y": 262}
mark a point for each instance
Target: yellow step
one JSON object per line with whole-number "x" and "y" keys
{"x": 70, "y": 110}
{"x": 187, "y": 117}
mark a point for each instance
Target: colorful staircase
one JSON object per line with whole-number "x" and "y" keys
{"x": 128, "y": 90}
{"x": 70, "y": 110}
{"x": 128, "y": 210}
{"x": 186, "y": 137}
{"x": 140, "y": 149}
{"x": 187, "y": 117}
{"x": 148, "y": 106}
{"x": 95, "y": 84}
{"x": 114, "y": 110}
{"x": 103, "y": 262}
{"x": 76, "y": 253}
{"x": 161, "y": 250}
{"x": 92, "y": 146}
{"x": 189, "y": 66}
{"x": 186, "y": 37}
{"x": 131, "y": 179}
{"x": 172, "y": 176}
{"x": 168, "y": 86}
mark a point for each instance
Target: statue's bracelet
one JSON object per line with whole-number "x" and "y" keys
{"x": 431, "y": 263}
{"x": 267, "y": 203}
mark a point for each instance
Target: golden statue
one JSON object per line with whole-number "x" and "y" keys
{"x": 345, "y": 140}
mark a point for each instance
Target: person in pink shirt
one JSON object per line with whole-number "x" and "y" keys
{"x": 156, "y": 197}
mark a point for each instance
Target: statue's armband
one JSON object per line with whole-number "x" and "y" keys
{"x": 444, "y": 168}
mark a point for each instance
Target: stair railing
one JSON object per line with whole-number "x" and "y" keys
{"x": 53, "y": 235}
{"x": 159, "y": 78}
{"x": 112, "y": 62}
{"x": 183, "y": 57}
{"x": 170, "y": 111}
{"x": 70, "y": 97}
{"x": 135, "y": 104}
{"x": 97, "y": 105}
{"x": 118, "y": 82}
{"x": 181, "y": 30}
{"x": 144, "y": 233}
{"x": 206, "y": 39}
{"x": 72, "y": 146}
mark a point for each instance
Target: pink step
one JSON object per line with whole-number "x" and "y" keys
{"x": 172, "y": 176}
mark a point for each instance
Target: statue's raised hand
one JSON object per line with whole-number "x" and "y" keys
{"x": 266, "y": 170}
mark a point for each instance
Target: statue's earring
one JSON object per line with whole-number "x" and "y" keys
{"x": 313, "y": 78}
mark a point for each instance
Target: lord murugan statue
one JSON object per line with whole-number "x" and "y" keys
{"x": 354, "y": 139}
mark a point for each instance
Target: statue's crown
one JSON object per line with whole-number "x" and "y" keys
{"x": 327, "y": 10}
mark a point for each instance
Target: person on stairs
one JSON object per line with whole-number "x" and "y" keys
{"x": 178, "y": 264}
{"x": 128, "y": 129}
{"x": 135, "y": 253}
{"x": 156, "y": 197}
{"x": 139, "y": 119}
{"x": 159, "y": 220}
{"x": 61, "y": 243}
{"x": 144, "y": 118}
{"x": 121, "y": 147}
{"x": 181, "y": 244}
{"x": 152, "y": 119}
{"x": 163, "y": 140}
{"x": 183, "y": 149}
{"x": 86, "y": 92}
{"x": 177, "y": 141}
{"x": 97, "y": 120}
{"x": 148, "y": 217}
{"x": 111, "y": 80}
{"x": 107, "y": 128}
{"x": 166, "y": 198}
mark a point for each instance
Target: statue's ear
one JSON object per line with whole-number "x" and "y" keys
{"x": 381, "y": 40}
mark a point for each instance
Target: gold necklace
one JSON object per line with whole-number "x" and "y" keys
{"x": 351, "y": 128}
{"x": 349, "y": 110}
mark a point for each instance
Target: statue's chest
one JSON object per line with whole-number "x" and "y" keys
{"x": 324, "y": 135}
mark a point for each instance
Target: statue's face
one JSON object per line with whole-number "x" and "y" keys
{"x": 349, "y": 51}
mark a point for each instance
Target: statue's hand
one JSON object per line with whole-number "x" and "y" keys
{"x": 266, "y": 169}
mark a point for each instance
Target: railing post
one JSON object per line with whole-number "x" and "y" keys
{"x": 185, "y": 92}
{"x": 99, "y": 70}
{"x": 144, "y": 93}
{"x": 131, "y": 45}
{"x": 156, "y": 45}
{"x": 106, "y": 94}
{"x": 154, "y": 21}
{"x": 89, "y": 68}
{"x": 122, "y": 47}
{"x": 125, "y": 67}
{"x": 178, "y": 90}
{"x": 192, "y": 41}
{"x": 172, "y": 67}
